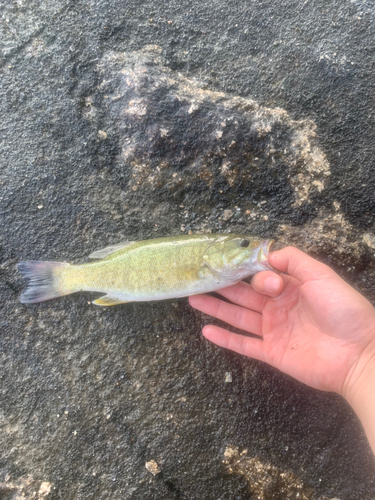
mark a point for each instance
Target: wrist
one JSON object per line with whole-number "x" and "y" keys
{"x": 360, "y": 393}
{"x": 361, "y": 379}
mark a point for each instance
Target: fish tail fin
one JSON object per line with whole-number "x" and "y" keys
{"x": 43, "y": 280}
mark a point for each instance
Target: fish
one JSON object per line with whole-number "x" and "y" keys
{"x": 155, "y": 269}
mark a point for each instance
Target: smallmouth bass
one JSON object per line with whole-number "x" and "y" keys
{"x": 157, "y": 269}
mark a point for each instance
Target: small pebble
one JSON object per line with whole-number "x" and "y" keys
{"x": 228, "y": 377}
{"x": 227, "y": 214}
{"x": 153, "y": 467}
{"x": 102, "y": 135}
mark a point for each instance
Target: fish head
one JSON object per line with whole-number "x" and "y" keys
{"x": 238, "y": 256}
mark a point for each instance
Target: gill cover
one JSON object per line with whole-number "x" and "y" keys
{"x": 237, "y": 256}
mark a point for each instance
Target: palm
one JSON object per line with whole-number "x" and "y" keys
{"x": 301, "y": 340}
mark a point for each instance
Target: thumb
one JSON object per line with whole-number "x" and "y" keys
{"x": 299, "y": 265}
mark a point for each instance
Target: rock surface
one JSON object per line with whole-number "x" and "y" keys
{"x": 266, "y": 481}
{"x": 131, "y": 120}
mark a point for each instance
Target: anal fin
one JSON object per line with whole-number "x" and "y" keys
{"x": 107, "y": 300}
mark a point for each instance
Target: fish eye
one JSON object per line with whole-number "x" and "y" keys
{"x": 244, "y": 243}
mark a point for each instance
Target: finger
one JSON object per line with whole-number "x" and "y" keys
{"x": 239, "y": 343}
{"x": 299, "y": 265}
{"x": 244, "y": 295}
{"x": 237, "y": 316}
{"x": 268, "y": 283}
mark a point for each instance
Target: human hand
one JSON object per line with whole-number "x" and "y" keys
{"x": 310, "y": 323}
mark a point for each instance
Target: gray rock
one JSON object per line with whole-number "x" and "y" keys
{"x": 89, "y": 395}
{"x": 267, "y": 481}
{"x": 179, "y": 141}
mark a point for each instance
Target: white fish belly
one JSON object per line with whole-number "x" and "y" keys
{"x": 207, "y": 284}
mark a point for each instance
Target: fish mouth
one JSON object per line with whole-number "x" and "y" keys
{"x": 264, "y": 250}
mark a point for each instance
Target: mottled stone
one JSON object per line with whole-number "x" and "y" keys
{"x": 179, "y": 140}
{"x": 131, "y": 120}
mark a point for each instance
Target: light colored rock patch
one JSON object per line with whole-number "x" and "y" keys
{"x": 329, "y": 234}
{"x": 164, "y": 117}
{"x": 25, "y": 488}
{"x": 265, "y": 480}
{"x": 137, "y": 107}
{"x": 314, "y": 169}
{"x": 369, "y": 240}
{"x": 35, "y": 47}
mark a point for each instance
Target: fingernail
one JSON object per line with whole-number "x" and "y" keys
{"x": 272, "y": 284}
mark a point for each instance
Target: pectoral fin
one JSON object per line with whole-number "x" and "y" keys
{"x": 107, "y": 300}
{"x": 205, "y": 271}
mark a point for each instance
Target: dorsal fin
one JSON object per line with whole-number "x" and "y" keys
{"x": 103, "y": 252}
{"x": 107, "y": 300}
